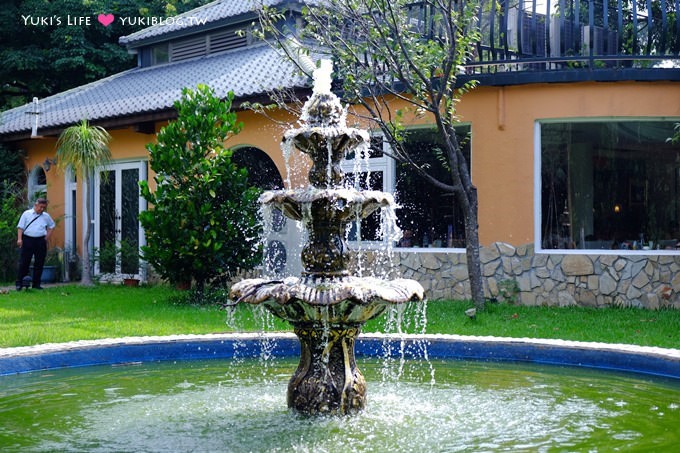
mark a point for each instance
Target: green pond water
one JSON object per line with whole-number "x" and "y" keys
{"x": 240, "y": 406}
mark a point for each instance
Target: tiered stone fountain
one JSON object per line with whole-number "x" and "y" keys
{"x": 326, "y": 305}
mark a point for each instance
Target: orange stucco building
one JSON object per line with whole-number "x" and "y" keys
{"x": 503, "y": 124}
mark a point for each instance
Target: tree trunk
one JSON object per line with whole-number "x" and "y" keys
{"x": 474, "y": 264}
{"x": 86, "y": 279}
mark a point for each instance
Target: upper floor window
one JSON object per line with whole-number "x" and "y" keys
{"x": 160, "y": 54}
{"x": 611, "y": 184}
{"x": 198, "y": 45}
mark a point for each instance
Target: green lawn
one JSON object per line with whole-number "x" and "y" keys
{"x": 68, "y": 313}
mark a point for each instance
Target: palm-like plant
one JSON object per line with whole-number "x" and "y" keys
{"x": 83, "y": 148}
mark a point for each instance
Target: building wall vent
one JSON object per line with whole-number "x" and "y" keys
{"x": 188, "y": 48}
{"x": 226, "y": 40}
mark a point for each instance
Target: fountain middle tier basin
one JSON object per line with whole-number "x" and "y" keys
{"x": 339, "y": 138}
{"x": 344, "y": 300}
{"x": 344, "y": 203}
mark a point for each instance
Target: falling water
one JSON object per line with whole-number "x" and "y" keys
{"x": 327, "y": 305}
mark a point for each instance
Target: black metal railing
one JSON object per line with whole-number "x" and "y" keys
{"x": 520, "y": 35}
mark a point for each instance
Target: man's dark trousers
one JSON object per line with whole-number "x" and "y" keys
{"x": 32, "y": 247}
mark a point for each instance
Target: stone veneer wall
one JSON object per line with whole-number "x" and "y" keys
{"x": 518, "y": 274}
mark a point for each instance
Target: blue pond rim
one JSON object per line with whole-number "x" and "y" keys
{"x": 620, "y": 357}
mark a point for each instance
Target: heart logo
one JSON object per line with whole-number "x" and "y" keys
{"x": 105, "y": 19}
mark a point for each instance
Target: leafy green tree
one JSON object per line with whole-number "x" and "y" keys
{"x": 12, "y": 202}
{"x": 203, "y": 221}
{"x": 83, "y": 148}
{"x": 11, "y": 166}
{"x": 43, "y": 54}
{"x": 387, "y": 50}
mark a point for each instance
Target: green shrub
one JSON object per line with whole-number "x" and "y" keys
{"x": 11, "y": 167}
{"x": 129, "y": 258}
{"x": 203, "y": 221}
{"x": 107, "y": 256}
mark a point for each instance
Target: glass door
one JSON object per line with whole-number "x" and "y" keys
{"x": 117, "y": 232}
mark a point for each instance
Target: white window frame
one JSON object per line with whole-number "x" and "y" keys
{"x": 538, "y": 214}
{"x": 141, "y": 165}
{"x": 70, "y": 210}
{"x": 384, "y": 165}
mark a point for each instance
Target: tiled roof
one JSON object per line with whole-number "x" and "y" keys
{"x": 204, "y": 15}
{"x": 247, "y": 72}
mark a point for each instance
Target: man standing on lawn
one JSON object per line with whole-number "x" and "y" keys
{"x": 33, "y": 231}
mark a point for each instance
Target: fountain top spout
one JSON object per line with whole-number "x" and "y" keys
{"x": 322, "y": 77}
{"x": 324, "y": 134}
{"x": 323, "y": 109}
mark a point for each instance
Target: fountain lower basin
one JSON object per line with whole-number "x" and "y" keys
{"x": 327, "y": 314}
{"x": 329, "y": 302}
{"x": 643, "y": 360}
{"x": 188, "y": 403}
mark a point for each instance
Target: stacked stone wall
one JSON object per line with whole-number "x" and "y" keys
{"x": 519, "y": 275}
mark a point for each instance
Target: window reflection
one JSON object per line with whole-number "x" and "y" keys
{"x": 428, "y": 216}
{"x": 609, "y": 185}
{"x": 369, "y": 228}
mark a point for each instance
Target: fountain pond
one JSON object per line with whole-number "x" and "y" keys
{"x": 224, "y": 393}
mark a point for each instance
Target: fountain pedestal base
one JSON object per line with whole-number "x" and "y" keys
{"x": 327, "y": 380}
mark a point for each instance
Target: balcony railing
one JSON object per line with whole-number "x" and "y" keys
{"x": 562, "y": 40}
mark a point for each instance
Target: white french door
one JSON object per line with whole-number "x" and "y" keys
{"x": 117, "y": 204}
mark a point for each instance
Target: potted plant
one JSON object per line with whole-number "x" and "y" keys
{"x": 129, "y": 262}
{"x": 107, "y": 256}
{"x": 53, "y": 265}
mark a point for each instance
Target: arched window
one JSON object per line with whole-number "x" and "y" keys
{"x": 37, "y": 184}
{"x": 262, "y": 173}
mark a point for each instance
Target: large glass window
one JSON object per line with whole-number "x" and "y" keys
{"x": 427, "y": 216}
{"x": 609, "y": 185}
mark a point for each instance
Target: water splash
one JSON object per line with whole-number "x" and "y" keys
{"x": 322, "y": 77}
